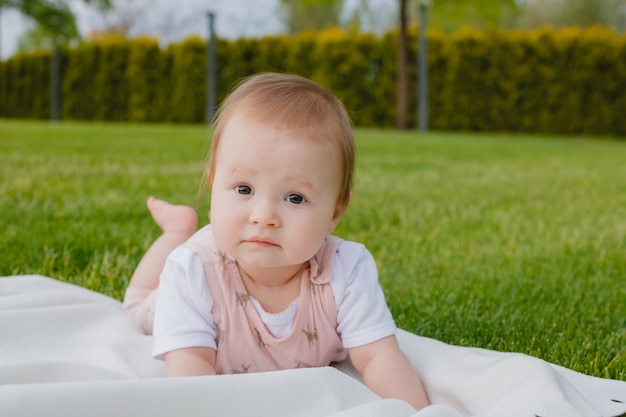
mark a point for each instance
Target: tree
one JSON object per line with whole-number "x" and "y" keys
{"x": 574, "y": 13}
{"x": 36, "y": 38}
{"x": 54, "y": 18}
{"x": 368, "y": 16}
{"x": 121, "y": 17}
{"x": 453, "y": 14}
{"x": 299, "y": 15}
{"x": 55, "y": 22}
{"x": 402, "y": 98}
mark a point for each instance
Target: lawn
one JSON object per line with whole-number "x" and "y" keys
{"x": 508, "y": 242}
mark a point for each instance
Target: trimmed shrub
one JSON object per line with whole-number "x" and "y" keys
{"x": 79, "y": 99}
{"x": 188, "y": 81}
{"x": 566, "y": 81}
{"x": 26, "y": 87}
{"x": 348, "y": 64}
{"x": 148, "y": 81}
{"x": 110, "y": 83}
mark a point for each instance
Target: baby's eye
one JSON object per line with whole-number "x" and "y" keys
{"x": 295, "y": 199}
{"x": 243, "y": 189}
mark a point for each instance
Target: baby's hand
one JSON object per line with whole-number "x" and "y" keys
{"x": 388, "y": 372}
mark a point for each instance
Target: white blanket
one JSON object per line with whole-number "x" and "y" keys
{"x": 67, "y": 351}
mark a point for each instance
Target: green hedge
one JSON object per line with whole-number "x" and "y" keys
{"x": 25, "y": 86}
{"x": 78, "y": 98}
{"x": 566, "y": 81}
{"x": 148, "y": 80}
{"x": 188, "y": 81}
{"x": 111, "y": 84}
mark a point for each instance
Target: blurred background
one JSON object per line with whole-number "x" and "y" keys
{"x": 545, "y": 66}
{"x": 26, "y": 25}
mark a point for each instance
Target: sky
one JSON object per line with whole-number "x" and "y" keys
{"x": 174, "y": 20}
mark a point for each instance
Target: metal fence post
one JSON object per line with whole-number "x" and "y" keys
{"x": 211, "y": 99}
{"x": 423, "y": 69}
{"x": 56, "y": 84}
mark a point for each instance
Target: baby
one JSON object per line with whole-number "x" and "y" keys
{"x": 265, "y": 286}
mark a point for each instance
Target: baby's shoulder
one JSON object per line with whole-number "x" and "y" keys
{"x": 349, "y": 248}
{"x": 352, "y": 255}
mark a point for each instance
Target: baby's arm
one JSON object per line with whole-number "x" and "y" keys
{"x": 387, "y": 371}
{"x": 184, "y": 335}
{"x": 193, "y": 361}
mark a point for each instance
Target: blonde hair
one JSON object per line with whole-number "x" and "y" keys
{"x": 290, "y": 102}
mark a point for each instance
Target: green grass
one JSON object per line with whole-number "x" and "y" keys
{"x": 507, "y": 242}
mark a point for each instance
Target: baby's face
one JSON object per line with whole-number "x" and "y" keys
{"x": 274, "y": 195}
